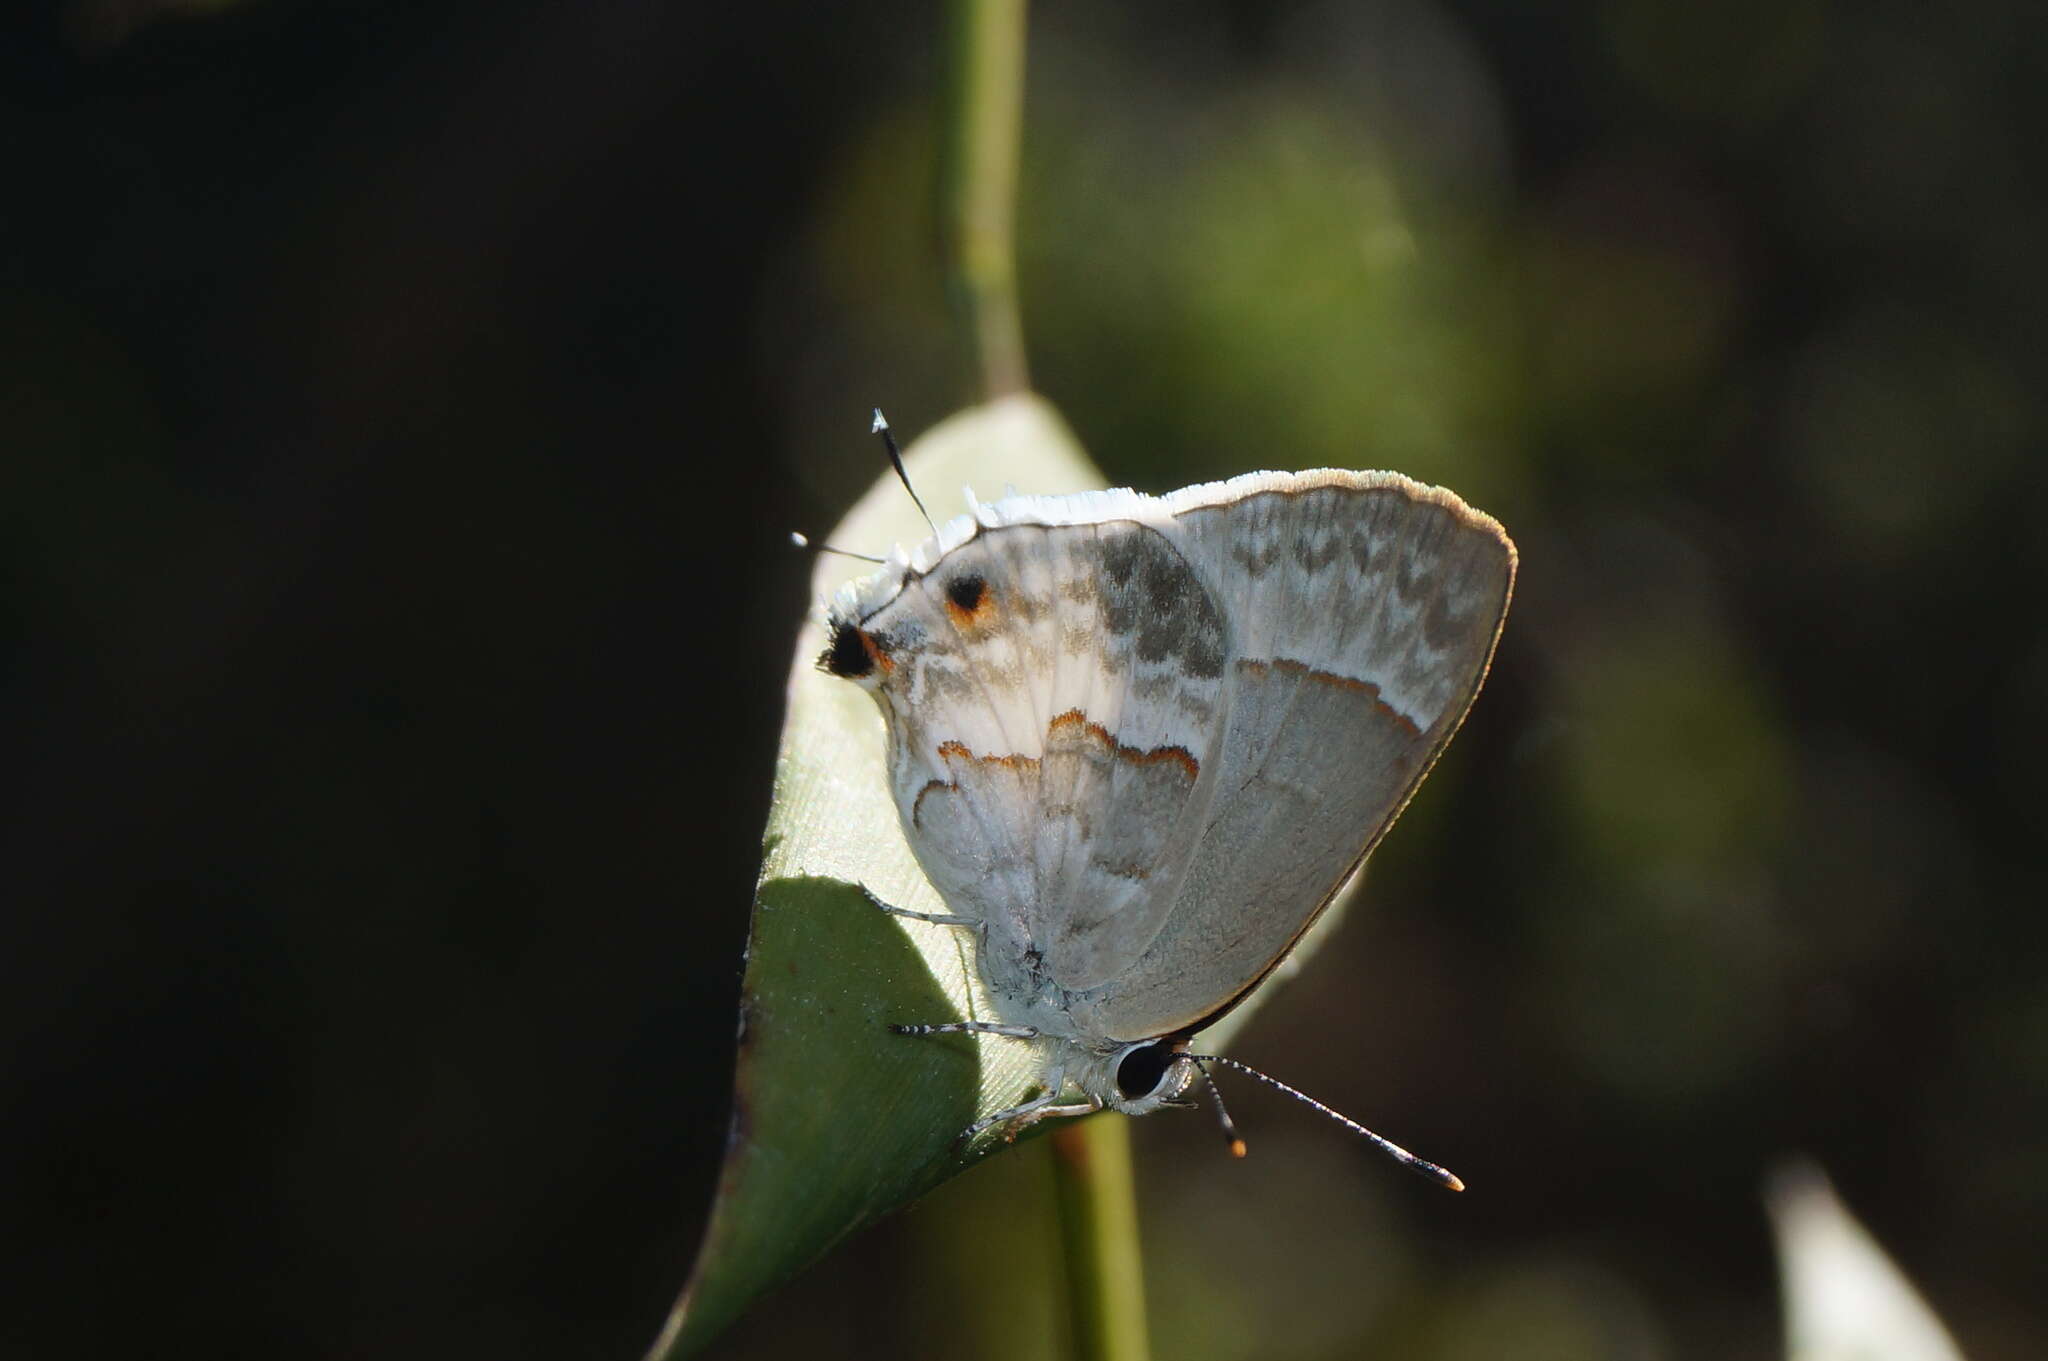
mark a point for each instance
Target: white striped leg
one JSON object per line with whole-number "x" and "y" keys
{"x": 935, "y": 918}
{"x": 1021, "y": 1118}
{"x": 1015, "y": 1032}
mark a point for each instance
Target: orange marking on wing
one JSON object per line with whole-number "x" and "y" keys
{"x": 1287, "y": 666}
{"x": 953, "y": 748}
{"x": 1012, "y": 761}
{"x": 1075, "y": 720}
{"x": 876, "y": 653}
{"x": 969, "y": 601}
{"x": 917, "y": 804}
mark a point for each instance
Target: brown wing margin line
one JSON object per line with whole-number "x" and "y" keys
{"x": 1013, "y": 761}
{"x": 1074, "y": 719}
{"x": 1287, "y": 666}
{"x": 1407, "y": 795}
{"x": 1071, "y": 720}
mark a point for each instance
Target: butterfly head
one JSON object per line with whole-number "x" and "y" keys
{"x": 1146, "y": 1075}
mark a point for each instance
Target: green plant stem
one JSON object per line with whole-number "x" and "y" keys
{"x": 1098, "y": 1208}
{"x": 985, "y": 132}
{"x": 1099, "y": 1229}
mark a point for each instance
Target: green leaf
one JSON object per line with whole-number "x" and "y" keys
{"x": 836, "y": 1121}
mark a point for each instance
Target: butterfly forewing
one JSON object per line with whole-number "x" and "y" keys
{"x": 1366, "y": 609}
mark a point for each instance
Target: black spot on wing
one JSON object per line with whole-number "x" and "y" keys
{"x": 848, "y": 654}
{"x": 966, "y": 591}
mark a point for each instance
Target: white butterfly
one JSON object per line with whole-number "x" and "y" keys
{"x": 1137, "y": 743}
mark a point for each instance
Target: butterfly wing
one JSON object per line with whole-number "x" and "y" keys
{"x": 1365, "y": 608}
{"x": 1053, "y": 694}
{"x": 1145, "y": 739}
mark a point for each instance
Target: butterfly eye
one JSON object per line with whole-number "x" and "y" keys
{"x": 849, "y": 654}
{"x": 1144, "y": 1068}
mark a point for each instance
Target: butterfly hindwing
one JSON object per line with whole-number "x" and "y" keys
{"x": 1053, "y": 695}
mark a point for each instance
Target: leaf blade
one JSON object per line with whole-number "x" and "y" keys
{"x": 837, "y": 1121}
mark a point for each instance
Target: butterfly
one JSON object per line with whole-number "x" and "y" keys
{"x": 1139, "y": 742}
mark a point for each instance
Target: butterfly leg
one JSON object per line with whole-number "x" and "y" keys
{"x": 1015, "y": 1032}
{"x": 935, "y": 918}
{"x": 1021, "y": 1118}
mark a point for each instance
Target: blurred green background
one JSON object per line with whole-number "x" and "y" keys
{"x": 401, "y": 410}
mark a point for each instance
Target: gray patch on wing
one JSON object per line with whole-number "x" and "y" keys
{"x": 1390, "y": 584}
{"x": 1149, "y": 591}
{"x": 1159, "y": 688}
{"x": 1255, "y": 559}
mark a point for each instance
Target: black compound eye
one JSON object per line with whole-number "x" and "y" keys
{"x": 849, "y": 654}
{"x": 1142, "y": 1070}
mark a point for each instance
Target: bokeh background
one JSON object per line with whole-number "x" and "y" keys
{"x": 401, "y": 409}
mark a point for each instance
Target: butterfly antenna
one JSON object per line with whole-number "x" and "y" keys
{"x": 1230, "y": 1134}
{"x": 1420, "y": 1166}
{"x": 802, "y": 541}
{"x": 881, "y": 427}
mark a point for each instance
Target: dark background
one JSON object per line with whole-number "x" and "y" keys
{"x": 401, "y": 410}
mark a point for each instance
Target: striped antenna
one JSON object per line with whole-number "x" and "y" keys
{"x": 1231, "y": 1138}
{"x": 1420, "y": 1166}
